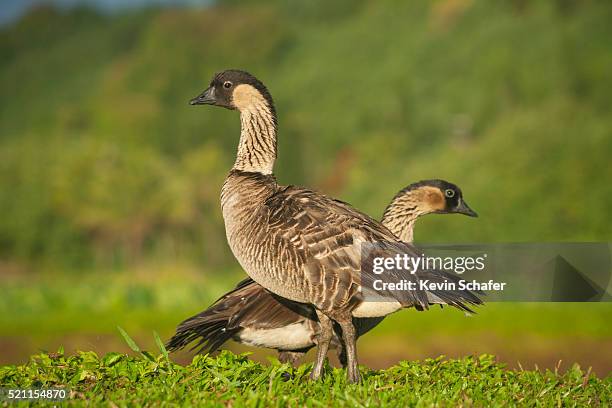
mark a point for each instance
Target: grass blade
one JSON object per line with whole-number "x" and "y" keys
{"x": 161, "y": 346}
{"x": 131, "y": 343}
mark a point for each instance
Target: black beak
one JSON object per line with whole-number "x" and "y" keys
{"x": 462, "y": 208}
{"x": 205, "y": 98}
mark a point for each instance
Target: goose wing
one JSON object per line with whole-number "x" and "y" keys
{"x": 261, "y": 309}
{"x": 326, "y": 238}
{"x": 248, "y": 305}
{"x": 334, "y": 246}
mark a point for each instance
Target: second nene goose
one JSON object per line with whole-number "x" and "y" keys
{"x": 299, "y": 244}
{"x": 251, "y": 315}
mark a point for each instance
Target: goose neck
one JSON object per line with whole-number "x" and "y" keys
{"x": 402, "y": 226}
{"x": 401, "y": 215}
{"x": 257, "y": 146}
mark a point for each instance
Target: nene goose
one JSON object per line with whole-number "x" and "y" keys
{"x": 302, "y": 245}
{"x": 251, "y": 315}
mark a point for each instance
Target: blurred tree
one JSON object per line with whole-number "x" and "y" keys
{"x": 102, "y": 162}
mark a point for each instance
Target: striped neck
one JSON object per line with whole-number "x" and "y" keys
{"x": 402, "y": 213}
{"x": 257, "y": 146}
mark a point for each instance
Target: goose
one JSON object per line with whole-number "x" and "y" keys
{"x": 251, "y": 315}
{"x": 302, "y": 245}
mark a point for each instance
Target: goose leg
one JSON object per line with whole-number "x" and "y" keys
{"x": 349, "y": 338}
{"x": 323, "y": 339}
{"x": 342, "y": 355}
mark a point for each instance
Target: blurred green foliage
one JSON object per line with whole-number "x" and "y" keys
{"x": 103, "y": 163}
{"x": 55, "y": 306}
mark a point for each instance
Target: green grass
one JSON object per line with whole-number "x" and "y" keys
{"x": 48, "y": 311}
{"x": 42, "y": 312}
{"x": 234, "y": 380}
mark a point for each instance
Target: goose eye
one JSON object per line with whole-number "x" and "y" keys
{"x": 227, "y": 84}
{"x": 449, "y": 193}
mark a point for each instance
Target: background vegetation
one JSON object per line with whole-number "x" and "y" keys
{"x": 109, "y": 181}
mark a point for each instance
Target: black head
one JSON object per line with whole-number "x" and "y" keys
{"x": 443, "y": 197}
{"x": 234, "y": 89}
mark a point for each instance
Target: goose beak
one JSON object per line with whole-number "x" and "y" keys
{"x": 463, "y": 208}
{"x": 205, "y": 98}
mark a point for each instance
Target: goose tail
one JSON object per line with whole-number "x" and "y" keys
{"x": 212, "y": 327}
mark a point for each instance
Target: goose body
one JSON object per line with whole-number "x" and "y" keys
{"x": 251, "y": 315}
{"x": 294, "y": 242}
{"x": 299, "y": 244}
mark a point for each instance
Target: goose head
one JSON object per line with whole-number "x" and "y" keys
{"x": 236, "y": 90}
{"x": 421, "y": 198}
{"x": 441, "y": 197}
{"x": 427, "y": 197}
